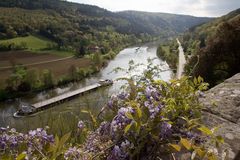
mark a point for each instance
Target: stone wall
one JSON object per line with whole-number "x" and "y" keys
{"x": 222, "y": 108}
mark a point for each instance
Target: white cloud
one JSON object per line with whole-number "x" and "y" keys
{"x": 190, "y": 7}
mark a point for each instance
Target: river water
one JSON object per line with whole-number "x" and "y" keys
{"x": 63, "y": 117}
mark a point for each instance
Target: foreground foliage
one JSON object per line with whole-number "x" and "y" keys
{"x": 150, "y": 119}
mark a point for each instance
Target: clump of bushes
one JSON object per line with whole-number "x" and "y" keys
{"x": 23, "y": 80}
{"x": 12, "y": 46}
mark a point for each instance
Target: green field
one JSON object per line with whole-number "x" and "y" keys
{"x": 38, "y": 44}
{"x": 33, "y": 43}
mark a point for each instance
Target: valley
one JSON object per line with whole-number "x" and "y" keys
{"x": 119, "y": 81}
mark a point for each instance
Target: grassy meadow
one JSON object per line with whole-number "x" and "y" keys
{"x": 33, "y": 43}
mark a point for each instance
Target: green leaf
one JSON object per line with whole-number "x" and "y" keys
{"x": 94, "y": 120}
{"x": 215, "y": 129}
{"x": 211, "y": 156}
{"x": 220, "y": 139}
{"x": 176, "y": 147}
{"x": 201, "y": 153}
{"x": 200, "y": 79}
{"x": 129, "y": 115}
{"x": 186, "y": 143}
{"x": 21, "y": 156}
{"x": 205, "y": 130}
{"x": 138, "y": 127}
{"x": 64, "y": 139}
{"x": 195, "y": 81}
{"x": 53, "y": 147}
{"x": 56, "y": 140}
{"x": 139, "y": 112}
{"x": 84, "y": 111}
{"x": 127, "y": 128}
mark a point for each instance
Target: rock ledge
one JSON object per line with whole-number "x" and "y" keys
{"x": 222, "y": 108}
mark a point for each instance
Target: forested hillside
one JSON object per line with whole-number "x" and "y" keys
{"x": 71, "y": 24}
{"x": 67, "y": 27}
{"x": 214, "y": 48}
{"x": 161, "y": 23}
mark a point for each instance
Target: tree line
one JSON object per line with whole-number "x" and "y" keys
{"x": 214, "y": 49}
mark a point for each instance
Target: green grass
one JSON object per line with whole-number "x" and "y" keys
{"x": 33, "y": 43}
{"x": 38, "y": 44}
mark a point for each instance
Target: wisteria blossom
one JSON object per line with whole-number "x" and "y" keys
{"x": 72, "y": 154}
{"x": 34, "y": 140}
{"x": 121, "y": 120}
{"x": 81, "y": 125}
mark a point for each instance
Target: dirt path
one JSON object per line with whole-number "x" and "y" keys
{"x": 181, "y": 61}
{"x": 43, "y": 62}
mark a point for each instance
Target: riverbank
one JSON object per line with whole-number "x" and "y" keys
{"x": 168, "y": 51}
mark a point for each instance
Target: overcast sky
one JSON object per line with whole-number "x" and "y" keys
{"x": 213, "y": 8}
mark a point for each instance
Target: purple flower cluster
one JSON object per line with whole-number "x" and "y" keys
{"x": 10, "y": 140}
{"x": 81, "y": 125}
{"x": 72, "y": 154}
{"x": 112, "y": 102}
{"x": 166, "y": 130}
{"x": 120, "y": 152}
{"x": 121, "y": 121}
{"x": 98, "y": 140}
{"x": 104, "y": 128}
{"x": 116, "y": 100}
{"x": 151, "y": 93}
{"x": 153, "y": 109}
{"x": 152, "y": 101}
{"x": 37, "y": 139}
{"x": 91, "y": 143}
{"x": 123, "y": 95}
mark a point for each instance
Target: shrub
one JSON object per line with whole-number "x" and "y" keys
{"x": 7, "y": 46}
{"x": 150, "y": 119}
{"x": 47, "y": 79}
{"x": 153, "y": 119}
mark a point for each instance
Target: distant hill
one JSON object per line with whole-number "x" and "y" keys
{"x": 71, "y": 24}
{"x": 164, "y": 23}
{"x": 217, "y": 45}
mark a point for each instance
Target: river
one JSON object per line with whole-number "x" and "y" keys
{"x": 63, "y": 117}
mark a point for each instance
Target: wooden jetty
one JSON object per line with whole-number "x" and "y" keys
{"x": 33, "y": 108}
